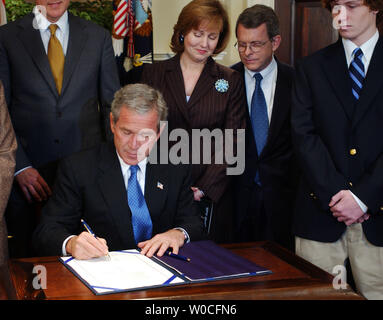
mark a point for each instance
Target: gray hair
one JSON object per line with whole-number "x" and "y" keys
{"x": 256, "y": 15}
{"x": 140, "y": 98}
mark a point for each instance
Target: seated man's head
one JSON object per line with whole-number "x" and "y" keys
{"x": 137, "y": 110}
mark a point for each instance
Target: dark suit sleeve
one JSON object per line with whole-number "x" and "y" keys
{"x": 187, "y": 215}
{"x": 369, "y": 188}
{"x": 215, "y": 180}
{"x": 61, "y": 215}
{"x": 109, "y": 82}
{"x": 317, "y": 165}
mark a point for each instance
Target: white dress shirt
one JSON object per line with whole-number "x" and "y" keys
{"x": 62, "y": 32}
{"x": 268, "y": 85}
{"x": 367, "y": 48}
{"x": 125, "y": 169}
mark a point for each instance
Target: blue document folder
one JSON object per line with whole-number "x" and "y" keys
{"x": 209, "y": 261}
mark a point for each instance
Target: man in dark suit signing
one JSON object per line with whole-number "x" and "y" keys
{"x": 59, "y": 77}
{"x": 265, "y": 191}
{"x": 337, "y": 118}
{"x": 126, "y": 200}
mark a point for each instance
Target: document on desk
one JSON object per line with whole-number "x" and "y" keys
{"x": 127, "y": 270}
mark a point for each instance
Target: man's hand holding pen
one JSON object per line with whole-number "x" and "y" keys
{"x": 86, "y": 246}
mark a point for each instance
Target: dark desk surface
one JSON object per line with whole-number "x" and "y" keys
{"x": 292, "y": 278}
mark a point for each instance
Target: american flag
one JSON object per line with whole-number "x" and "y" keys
{"x": 120, "y": 23}
{"x": 132, "y": 37}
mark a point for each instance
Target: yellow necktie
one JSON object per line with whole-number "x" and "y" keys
{"x": 56, "y": 57}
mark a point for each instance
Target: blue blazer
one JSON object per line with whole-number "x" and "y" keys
{"x": 327, "y": 124}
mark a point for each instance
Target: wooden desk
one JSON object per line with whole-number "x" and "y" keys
{"x": 292, "y": 278}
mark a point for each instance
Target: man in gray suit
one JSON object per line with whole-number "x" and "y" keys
{"x": 59, "y": 82}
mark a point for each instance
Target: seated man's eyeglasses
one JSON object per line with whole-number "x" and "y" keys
{"x": 255, "y": 46}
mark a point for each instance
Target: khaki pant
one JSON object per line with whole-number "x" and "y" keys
{"x": 366, "y": 260}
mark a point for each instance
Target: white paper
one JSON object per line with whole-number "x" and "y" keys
{"x": 127, "y": 269}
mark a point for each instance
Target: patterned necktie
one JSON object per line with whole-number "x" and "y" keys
{"x": 357, "y": 74}
{"x": 56, "y": 57}
{"x": 259, "y": 118}
{"x": 141, "y": 221}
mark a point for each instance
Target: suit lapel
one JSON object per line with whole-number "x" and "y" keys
{"x": 31, "y": 39}
{"x": 251, "y": 147}
{"x": 282, "y": 90}
{"x": 156, "y": 188}
{"x": 205, "y": 82}
{"x": 241, "y": 69}
{"x": 175, "y": 84}
{"x": 335, "y": 67}
{"x": 372, "y": 85}
{"x": 111, "y": 184}
{"x": 76, "y": 43}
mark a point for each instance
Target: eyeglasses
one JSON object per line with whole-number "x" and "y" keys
{"x": 255, "y": 46}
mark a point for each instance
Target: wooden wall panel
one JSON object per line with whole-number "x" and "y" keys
{"x": 305, "y": 28}
{"x": 313, "y": 28}
{"x": 283, "y": 8}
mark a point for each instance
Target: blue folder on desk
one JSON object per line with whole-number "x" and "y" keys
{"x": 208, "y": 261}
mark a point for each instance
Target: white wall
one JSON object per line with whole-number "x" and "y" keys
{"x": 165, "y": 14}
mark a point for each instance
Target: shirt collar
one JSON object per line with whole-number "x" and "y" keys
{"x": 367, "y": 47}
{"x": 43, "y": 23}
{"x": 266, "y": 71}
{"x": 126, "y": 167}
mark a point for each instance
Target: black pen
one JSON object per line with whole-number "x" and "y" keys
{"x": 177, "y": 256}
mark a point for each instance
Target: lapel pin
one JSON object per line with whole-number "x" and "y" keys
{"x": 160, "y": 185}
{"x": 221, "y": 85}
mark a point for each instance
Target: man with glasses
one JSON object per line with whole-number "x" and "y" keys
{"x": 265, "y": 191}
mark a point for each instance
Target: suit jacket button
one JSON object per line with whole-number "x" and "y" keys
{"x": 350, "y": 183}
{"x": 353, "y": 152}
{"x": 381, "y": 208}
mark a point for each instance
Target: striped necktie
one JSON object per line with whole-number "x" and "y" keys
{"x": 141, "y": 220}
{"x": 357, "y": 73}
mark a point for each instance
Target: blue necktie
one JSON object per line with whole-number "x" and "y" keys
{"x": 141, "y": 221}
{"x": 357, "y": 74}
{"x": 259, "y": 118}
